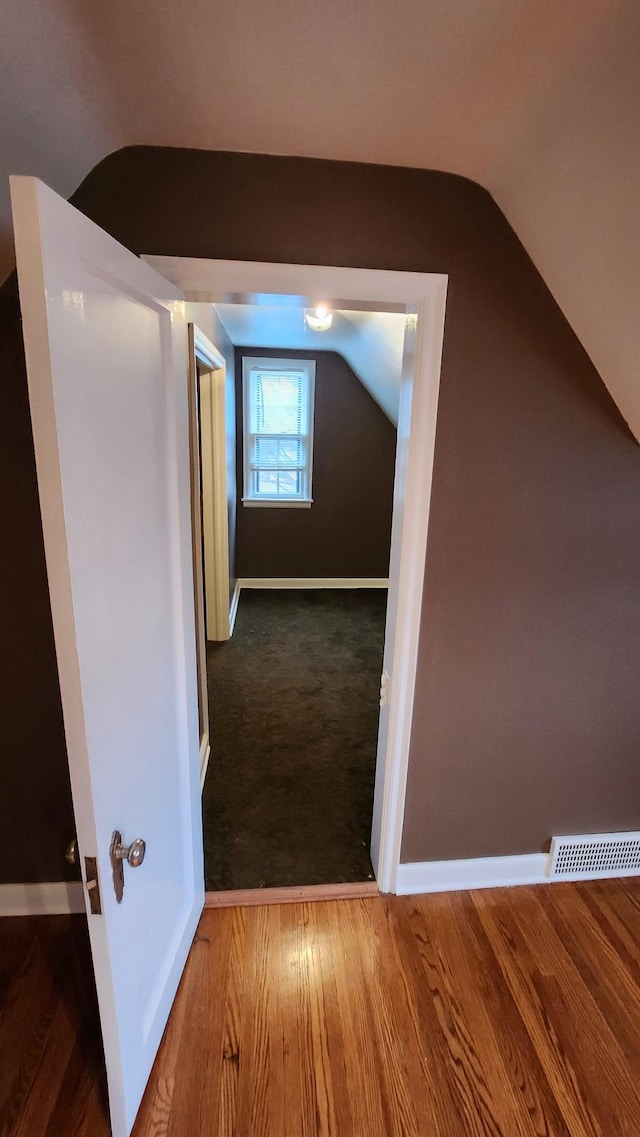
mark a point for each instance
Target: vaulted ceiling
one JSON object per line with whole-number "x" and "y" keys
{"x": 537, "y": 101}
{"x": 371, "y": 342}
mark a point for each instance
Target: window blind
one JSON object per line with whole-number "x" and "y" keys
{"x": 278, "y": 402}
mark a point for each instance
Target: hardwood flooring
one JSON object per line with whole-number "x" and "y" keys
{"x": 243, "y": 897}
{"x": 52, "y": 1081}
{"x": 505, "y": 1013}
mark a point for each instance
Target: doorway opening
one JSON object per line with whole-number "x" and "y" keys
{"x": 289, "y": 796}
{"x": 420, "y": 300}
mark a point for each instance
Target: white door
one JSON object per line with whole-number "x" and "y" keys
{"x": 105, "y": 341}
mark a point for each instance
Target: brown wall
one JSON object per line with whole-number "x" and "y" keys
{"x": 36, "y": 817}
{"x": 527, "y": 717}
{"x": 347, "y": 531}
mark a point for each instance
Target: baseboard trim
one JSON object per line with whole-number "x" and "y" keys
{"x": 205, "y": 754}
{"x": 249, "y": 897}
{"x": 51, "y": 898}
{"x": 312, "y": 582}
{"x": 233, "y": 608}
{"x": 479, "y": 872}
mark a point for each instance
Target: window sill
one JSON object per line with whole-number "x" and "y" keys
{"x": 275, "y": 503}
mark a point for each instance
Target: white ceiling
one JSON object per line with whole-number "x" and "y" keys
{"x": 371, "y": 342}
{"x": 537, "y": 101}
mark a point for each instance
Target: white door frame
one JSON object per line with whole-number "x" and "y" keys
{"x": 209, "y": 521}
{"x": 212, "y": 384}
{"x": 422, "y": 296}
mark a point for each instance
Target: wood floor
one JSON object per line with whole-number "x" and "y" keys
{"x": 503, "y": 1013}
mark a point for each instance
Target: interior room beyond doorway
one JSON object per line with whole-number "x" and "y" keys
{"x": 420, "y": 298}
{"x": 294, "y": 694}
{"x": 288, "y": 797}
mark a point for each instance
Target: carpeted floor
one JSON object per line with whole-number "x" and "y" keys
{"x": 293, "y": 707}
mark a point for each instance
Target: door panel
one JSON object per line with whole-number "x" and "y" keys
{"x": 105, "y": 341}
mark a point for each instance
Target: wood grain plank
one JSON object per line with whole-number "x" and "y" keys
{"x": 232, "y": 1026}
{"x": 433, "y": 1106}
{"x": 367, "y": 1107}
{"x": 196, "y": 1082}
{"x": 456, "y": 1097}
{"x": 249, "y": 897}
{"x": 27, "y": 1013}
{"x": 488, "y": 1030}
{"x": 326, "y": 997}
{"x": 48, "y": 1016}
{"x": 614, "y": 904}
{"x": 505, "y": 1013}
{"x": 397, "y": 1062}
{"x": 309, "y": 1107}
{"x": 609, "y": 973}
{"x": 522, "y": 973}
{"x": 261, "y": 1095}
{"x": 586, "y": 1036}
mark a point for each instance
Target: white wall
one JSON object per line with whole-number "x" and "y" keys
{"x": 570, "y": 186}
{"x": 371, "y": 342}
{"x": 538, "y": 102}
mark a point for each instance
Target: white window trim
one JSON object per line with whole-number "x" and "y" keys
{"x": 274, "y": 363}
{"x": 277, "y": 503}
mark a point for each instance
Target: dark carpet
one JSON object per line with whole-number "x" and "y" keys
{"x": 293, "y": 707}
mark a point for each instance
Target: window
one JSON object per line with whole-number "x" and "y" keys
{"x": 278, "y": 430}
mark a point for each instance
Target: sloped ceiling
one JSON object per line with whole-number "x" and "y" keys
{"x": 537, "y": 101}
{"x": 371, "y": 342}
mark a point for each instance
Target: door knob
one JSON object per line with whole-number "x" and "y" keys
{"x": 133, "y": 854}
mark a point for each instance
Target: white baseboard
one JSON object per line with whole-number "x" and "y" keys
{"x": 205, "y": 754}
{"x": 52, "y": 898}
{"x": 312, "y": 582}
{"x": 479, "y": 872}
{"x": 233, "y": 608}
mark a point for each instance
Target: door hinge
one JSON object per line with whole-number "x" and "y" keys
{"x": 93, "y": 885}
{"x": 385, "y": 683}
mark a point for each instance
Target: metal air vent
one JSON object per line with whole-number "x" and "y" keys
{"x": 595, "y": 855}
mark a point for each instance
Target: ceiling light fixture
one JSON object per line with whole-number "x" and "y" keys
{"x": 319, "y": 319}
